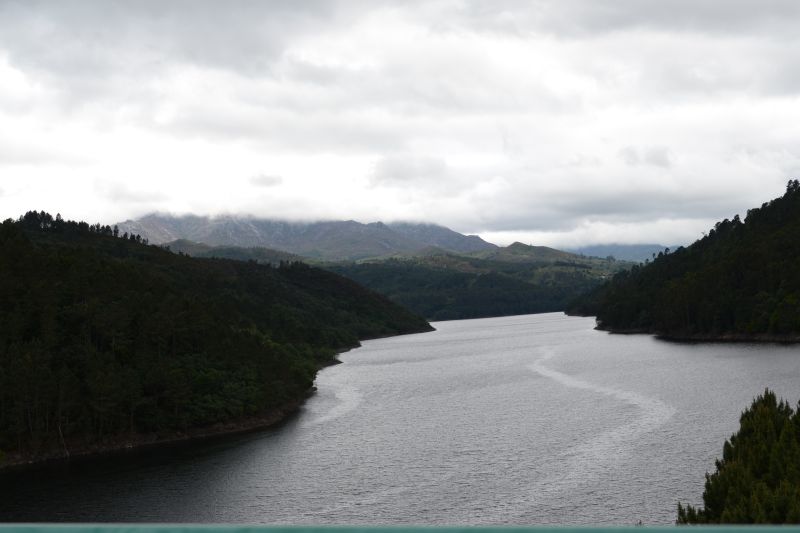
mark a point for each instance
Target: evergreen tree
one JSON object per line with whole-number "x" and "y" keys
{"x": 757, "y": 481}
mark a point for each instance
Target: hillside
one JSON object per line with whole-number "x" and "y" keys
{"x": 525, "y": 253}
{"x": 637, "y": 253}
{"x": 261, "y": 255}
{"x": 324, "y": 241}
{"x": 442, "y": 286}
{"x": 107, "y": 341}
{"x": 439, "y": 285}
{"x": 434, "y": 236}
{"x": 740, "y": 282}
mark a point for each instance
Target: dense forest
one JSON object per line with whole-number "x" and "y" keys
{"x": 440, "y": 285}
{"x": 456, "y": 287}
{"x": 757, "y": 481}
{"x": 105, "y": 338}
{"x": 741, "y": 281}
{"x": 514, "y": 280}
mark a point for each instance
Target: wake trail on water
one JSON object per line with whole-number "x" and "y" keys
{"x": 599, "y": 456}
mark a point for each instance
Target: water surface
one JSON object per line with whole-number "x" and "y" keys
{"x": 533, "y": 419}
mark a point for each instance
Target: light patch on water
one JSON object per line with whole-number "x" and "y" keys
{"x": 347, "y": 399}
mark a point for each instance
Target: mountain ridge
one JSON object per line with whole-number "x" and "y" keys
{"x": 322, "y": 240}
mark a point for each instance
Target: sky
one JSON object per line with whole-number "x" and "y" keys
{"x": 557, "y": 123}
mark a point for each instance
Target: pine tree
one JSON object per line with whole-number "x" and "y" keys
{"x": 757, "y": 481}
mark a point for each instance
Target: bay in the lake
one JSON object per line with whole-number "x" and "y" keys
{"x": 534, "y": 419}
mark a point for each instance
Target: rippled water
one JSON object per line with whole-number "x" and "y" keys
{"x": 520, "y": 420}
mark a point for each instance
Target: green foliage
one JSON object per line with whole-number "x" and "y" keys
{"x": 741, "y": 280}
{"x": 447, "y": 286}
{"x": 518, "y": 279}
{"x": 103, "y": 335}
{"x": 264, "y": 256}
{"x": 757, "y": 481}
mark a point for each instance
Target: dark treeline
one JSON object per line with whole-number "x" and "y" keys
{"x": 264, "y": 256}
{"x": 104, "y": 337}
{"x": 42, "y": 221}
{"x": 500, "y": 289}
{"x": 740, "y": 281}
{"x": 757, "y": 481}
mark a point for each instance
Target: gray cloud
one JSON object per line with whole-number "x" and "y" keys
{"x": 490, "y": 115}
{"x": 123, "y": 194}
{"x": 577, "y": 18}
{"x": 657, "y": 156}
{"x": 93, "y": 35}
{"x": 560, "y": 212}
{"x": 14, "y": 152}
{"x": 93, "y": 50}
{"x": 266, "y": 180}
{"x": 630, "y": 156}
{"x": 343, "y": 131}
{"x": 405, "y": 169}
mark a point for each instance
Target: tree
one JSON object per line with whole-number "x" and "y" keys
{"x": 757, "y": 481}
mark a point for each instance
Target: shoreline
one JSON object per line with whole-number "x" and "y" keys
{"x": 699, "y": 338}
{"x": 690, "y": 338}
{"x": 140, "y": 442}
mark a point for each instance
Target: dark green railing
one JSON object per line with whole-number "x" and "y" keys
{"x": 151, "y": 528}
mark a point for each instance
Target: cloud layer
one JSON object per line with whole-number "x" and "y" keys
{"x": 562, "y": 122}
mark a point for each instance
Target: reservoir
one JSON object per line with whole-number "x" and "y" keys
{"x": 521, "y": 420}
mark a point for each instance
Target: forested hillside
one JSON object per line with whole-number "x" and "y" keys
{"x": 518, "y": 279}
{"x": 741, "y": 281}
{"x": 105, "y": 338}
{"x": 264, "y": 256}
{"x": 444, "y": 286}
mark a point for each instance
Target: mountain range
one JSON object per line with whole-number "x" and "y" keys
{"x": 348, "y": 240}
{"x": 322, "y": 241}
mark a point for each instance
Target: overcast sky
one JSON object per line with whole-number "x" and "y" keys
{"x": 557, "y": 122}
